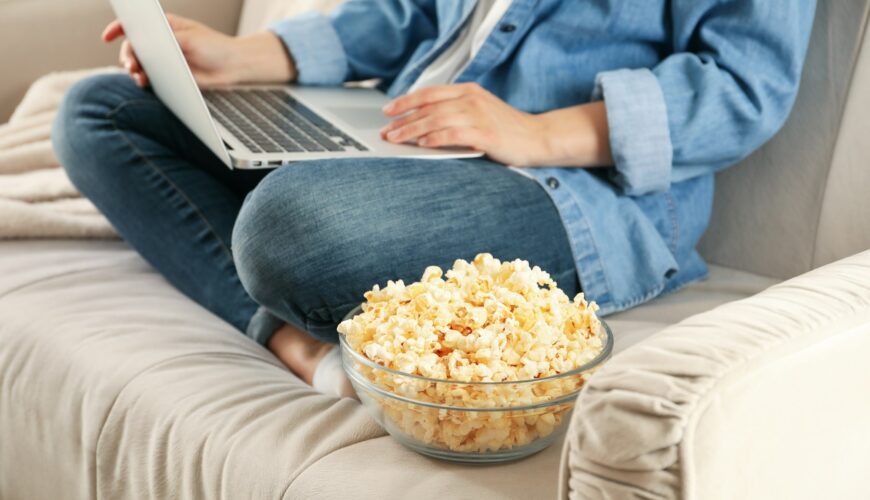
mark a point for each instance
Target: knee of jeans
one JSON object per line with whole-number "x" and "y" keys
{"x": 291, "y": 246}
{"x": 84, "y": 110}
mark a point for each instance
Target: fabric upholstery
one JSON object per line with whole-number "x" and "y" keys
{"x": 258, "y": 14}
{"x": 62, "y": 35}
{"x": 705, "y": 409}
{"x": 844, "y": 225}
{"x": 114, "y": 385}
{"x": 788, "y": 207}
{"x": 123, "y": 388}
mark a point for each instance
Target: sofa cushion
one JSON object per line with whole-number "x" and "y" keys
{"x": 123, "y": 388}
{"x": 800, "y": 201}
{"x": 120, "y": 385}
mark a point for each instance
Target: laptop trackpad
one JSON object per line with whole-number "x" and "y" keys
{"x": 361, "y": 118}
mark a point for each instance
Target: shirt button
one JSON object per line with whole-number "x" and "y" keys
{"x": 508, "y": 27}
{"x": 553, "y": 182}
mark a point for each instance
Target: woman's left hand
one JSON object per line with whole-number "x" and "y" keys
{"x": 467, "y": 115}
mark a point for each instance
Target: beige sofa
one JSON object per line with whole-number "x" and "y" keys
{"x": 113, "y": 385}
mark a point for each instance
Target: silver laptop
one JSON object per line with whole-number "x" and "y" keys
{"x": 262, "y": 126}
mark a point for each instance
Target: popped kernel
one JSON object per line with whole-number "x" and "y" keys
{"x": 481, "y": 321}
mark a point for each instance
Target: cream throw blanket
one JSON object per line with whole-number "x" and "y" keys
{"x": 37, "y": 199}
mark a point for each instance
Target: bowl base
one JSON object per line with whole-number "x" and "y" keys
{"x": 482, "y": 459}
{"x": 489, "y": 457}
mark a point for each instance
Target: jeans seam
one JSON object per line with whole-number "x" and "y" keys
{"x": 328, "y": 309}
{"x": 111, "y": 116}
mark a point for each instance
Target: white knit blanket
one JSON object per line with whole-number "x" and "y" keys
{"x": 37, "y": 199}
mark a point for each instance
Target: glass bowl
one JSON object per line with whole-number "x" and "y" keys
{"x": 476, "y": 422}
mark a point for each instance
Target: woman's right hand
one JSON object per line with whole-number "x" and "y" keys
{"x": 215, "y": 59}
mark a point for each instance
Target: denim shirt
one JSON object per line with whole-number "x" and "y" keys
{"x": 690, "y": 87}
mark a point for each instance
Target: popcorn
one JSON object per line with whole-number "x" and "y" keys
{"x": 481, "y": 322}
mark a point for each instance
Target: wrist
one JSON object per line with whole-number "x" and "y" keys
{"x": 549, "y": 131}
{"x": 548, "y": 151}
{"x": 577, "y": 136}
{"x": 262, "y": 58}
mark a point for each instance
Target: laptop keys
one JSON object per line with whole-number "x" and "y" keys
{"x": 271, "y": 121}
{"x": 310, "y": 117}
{"x": 283, "y": 130}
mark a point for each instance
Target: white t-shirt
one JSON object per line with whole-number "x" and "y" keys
{"x": 452, "y": 61}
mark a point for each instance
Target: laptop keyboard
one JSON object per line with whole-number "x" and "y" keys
{"x": 272, "y": 121}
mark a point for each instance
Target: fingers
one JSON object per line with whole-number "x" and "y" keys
{"x": 420, "y": 123}
{"x": 469, "y": 110}
{"x": 426, "y": 126}
{"x": 430, "y": 95}
{"x": 131, "y": 63}
{"x": 126, "y": 57}
{"x": 113, "y": 31}
{"x": 178, "y": 23}
{"x": 183, "y": 41}
{"x": 457, "y": 136}
{"x": 408, "y": 119}
{"x": 437, "y": 130}
{"x": 141, "y": 79}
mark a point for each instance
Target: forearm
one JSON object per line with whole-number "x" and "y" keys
{"x": 575, "y": 137}
{"x": 263, "y": 58}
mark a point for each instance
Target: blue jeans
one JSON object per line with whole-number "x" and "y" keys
{"x": 302, "y": 243}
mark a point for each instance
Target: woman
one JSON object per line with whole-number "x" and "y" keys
{"x": 614, "y": 116}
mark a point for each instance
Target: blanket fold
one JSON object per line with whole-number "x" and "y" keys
{"x": 37, "y": 199}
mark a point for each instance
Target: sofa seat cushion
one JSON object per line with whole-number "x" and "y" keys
{"x": 124, "y": 388}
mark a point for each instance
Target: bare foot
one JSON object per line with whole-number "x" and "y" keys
{"x": 300, "y": 352}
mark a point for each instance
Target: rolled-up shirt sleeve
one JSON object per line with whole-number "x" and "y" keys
{"x": 639, "y": 134}
{"x": 727, "y": 88}
{"x": 359, "y": 40}
{"x": 316, "y": 48}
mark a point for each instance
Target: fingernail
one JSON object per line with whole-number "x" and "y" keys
{"x": 389, "y": 107}
{"x": 423, "y": 142}
{"x": 393, "y": 135}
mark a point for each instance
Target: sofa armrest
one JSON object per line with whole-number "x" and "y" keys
{"x": 52, "y": 35}
{"x": 761, "y": 398}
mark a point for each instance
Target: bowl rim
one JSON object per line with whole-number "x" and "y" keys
{"x": 605, "y": 353}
